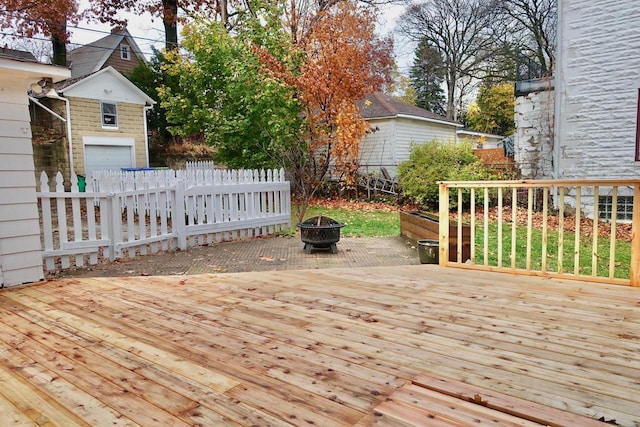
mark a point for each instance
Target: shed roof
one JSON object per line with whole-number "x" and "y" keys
{"x": 379, "y": 105}
{"x": 18, "y": 55}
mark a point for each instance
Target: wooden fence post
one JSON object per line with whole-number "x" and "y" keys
{"x": 635, "y": 237}
{"x": 443, "y": 220}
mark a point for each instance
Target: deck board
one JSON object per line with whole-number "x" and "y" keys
{"x": 316, "y": 347}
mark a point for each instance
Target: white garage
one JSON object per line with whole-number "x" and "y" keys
{"x": 108, "y": 153}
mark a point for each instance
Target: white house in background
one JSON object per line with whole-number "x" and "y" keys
{"x": 395, "y": 127}
{"x": 20, "y": 248}
{"x": 104, "y": 115}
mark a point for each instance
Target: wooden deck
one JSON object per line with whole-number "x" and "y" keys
{"x": 316, "y": 347}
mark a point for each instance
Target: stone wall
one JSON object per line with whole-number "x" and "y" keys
{"x": 534, "y": 136}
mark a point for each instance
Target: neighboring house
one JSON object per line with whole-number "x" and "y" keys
{"x": 20, "y": 248}
{"x": 103, "y": 114}
{"x": 395, "y": 126}
{"x": 480, "y": 140}
{"x": 586, "y": 127}
{"x": 118, "y": 50}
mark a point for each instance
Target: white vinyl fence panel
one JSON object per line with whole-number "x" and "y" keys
{"x": 125, "y": 214}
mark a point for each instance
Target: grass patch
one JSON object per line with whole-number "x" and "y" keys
{"x": 358, "y": 223}
{"x": 622, "y": 260}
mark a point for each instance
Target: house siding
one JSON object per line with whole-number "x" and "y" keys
{"x": 86, "y": 121}
{"x": 123, "y": 66}
{"x": 597, "y": 86}
{"x": 377, "y": 148}
{"x": 411, "y": 132}
{"x": 391, "y": 144}
{"x": 20, "y": 249}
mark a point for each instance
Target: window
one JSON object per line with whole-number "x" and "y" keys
{"x": 109, "y": 114}
{"x": 124, "y": 52}
{"x": 624, "y": 208}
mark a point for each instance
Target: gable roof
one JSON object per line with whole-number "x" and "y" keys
{"x": 381, "y": 106}
{"x": 72, "y": 84}
{"x": 18, "y": 55}
{"x": 90, "y": 58}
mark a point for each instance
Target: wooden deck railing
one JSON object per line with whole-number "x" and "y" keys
{"x": 581, "y": 229}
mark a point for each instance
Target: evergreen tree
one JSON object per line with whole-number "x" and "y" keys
{"x": 427, "y": 76}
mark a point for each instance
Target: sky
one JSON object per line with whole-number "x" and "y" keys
{"x": 148, "y": 31}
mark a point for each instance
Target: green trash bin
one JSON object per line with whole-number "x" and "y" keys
{"x": 429, "y": 251}
{"x": 82, "y": 183}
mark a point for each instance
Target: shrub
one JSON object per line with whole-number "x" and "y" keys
{"x": 435, "y": 161}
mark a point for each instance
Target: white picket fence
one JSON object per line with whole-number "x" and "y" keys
{"x": 123, "y": 214}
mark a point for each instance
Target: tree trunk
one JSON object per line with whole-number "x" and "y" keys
{"x": 170, "y": 21}
{"x": 59, "y": 43}
{"x": 451, "y": 98}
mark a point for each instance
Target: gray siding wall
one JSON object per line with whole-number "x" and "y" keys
{"x": 20, "y": 248}
{"x": 597, "y": 89}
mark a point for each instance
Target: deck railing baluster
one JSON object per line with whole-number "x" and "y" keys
{"x": 486, "y": 226}
{"x": 514, "y": 224}
{"x": 612, "y": 239}
{"x": 594, "y": 247}
{"x": 529, "y": 225}
{"x": 459, "y": 229}
{"x": 500, "y": 227}
{"x": 561, "y": 191}
{"x": 545, "y": 228}
{"x": 473, "y": 226}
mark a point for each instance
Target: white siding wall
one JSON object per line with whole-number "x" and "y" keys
{"x": 377, "y": 149}
{"x": 390, "y": 145}
{"x": 20, "y": 249}
{"x": 597, "y": 86}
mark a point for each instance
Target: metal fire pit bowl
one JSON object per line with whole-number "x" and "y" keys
{"x": 320, "y": 232}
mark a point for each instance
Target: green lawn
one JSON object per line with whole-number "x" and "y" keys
{"x": 622, "y": 261}
{"x": 360, "y": 223}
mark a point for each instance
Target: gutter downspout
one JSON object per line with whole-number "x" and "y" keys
{"x": 54, "y": 95}
{"x": 145, "y": 110}
{"x": 558, "y": 88}
{"x": 557, "y": 110}
{"x": 47, "y": 109}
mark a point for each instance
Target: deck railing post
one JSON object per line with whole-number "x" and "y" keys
{"x": 635, "y": 237}
{"x": 443, "y": 220}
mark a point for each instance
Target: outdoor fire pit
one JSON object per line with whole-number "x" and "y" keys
{"x": 320, "y": 232}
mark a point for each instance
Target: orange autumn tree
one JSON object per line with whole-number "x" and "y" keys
{"x": 343, "y": 59}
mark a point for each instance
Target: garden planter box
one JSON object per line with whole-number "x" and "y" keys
{"x": 421, "y": 226}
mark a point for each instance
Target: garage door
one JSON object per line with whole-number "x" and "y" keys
{"x": 98, "y": 157}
